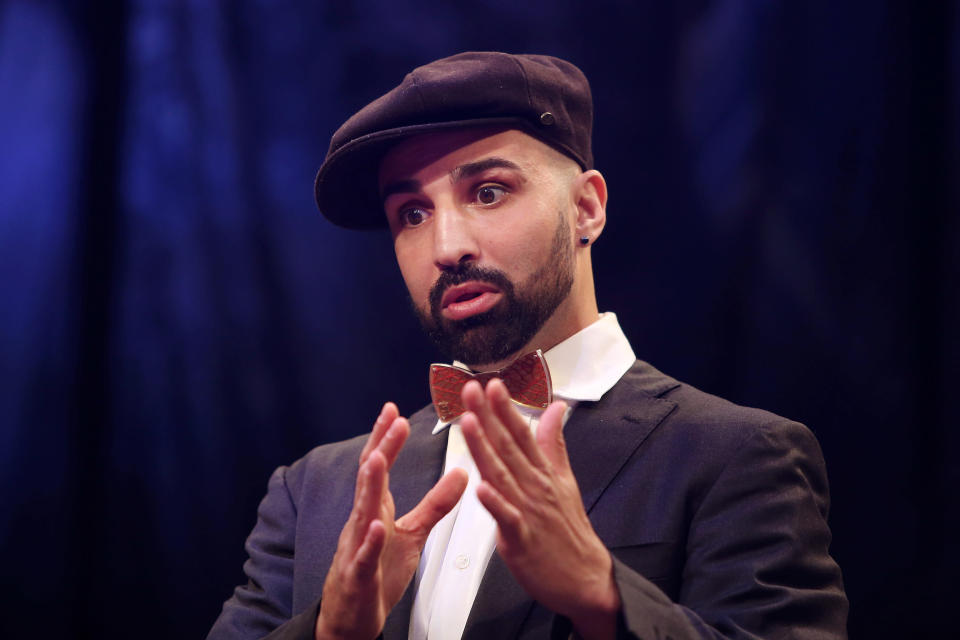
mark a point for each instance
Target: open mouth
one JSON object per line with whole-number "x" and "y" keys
{"x": 469, "y": 295}
{"x": 468, "y": 299}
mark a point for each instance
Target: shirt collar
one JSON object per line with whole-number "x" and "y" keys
{"x": 587, "y": 364}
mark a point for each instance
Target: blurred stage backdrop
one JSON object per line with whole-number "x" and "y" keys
{"x": 176, "y": 319}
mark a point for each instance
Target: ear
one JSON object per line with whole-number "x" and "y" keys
{"x": 591, "y": 199}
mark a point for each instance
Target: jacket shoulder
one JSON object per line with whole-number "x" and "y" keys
{"x": 704, "y": 427}
{"x": 697, "y": 410}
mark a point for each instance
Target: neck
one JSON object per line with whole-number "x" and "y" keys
{"x": 545, "y": 339}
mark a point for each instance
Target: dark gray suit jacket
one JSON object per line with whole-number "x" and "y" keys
{"x": 715, "y": 515}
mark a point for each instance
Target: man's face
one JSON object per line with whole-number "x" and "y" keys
{"x": 481, "y": 221}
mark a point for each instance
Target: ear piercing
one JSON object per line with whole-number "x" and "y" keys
{"x": 584, "y": 240}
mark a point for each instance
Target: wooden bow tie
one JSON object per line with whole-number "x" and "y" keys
{"x": 527, "y": 379}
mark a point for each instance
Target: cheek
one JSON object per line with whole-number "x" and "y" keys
{"x": 417, "y": 272}
{"x": 518, "y": 248}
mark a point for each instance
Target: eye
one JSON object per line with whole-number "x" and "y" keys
{"x": 490, "y": 194}
{"x": 412, "y": 217}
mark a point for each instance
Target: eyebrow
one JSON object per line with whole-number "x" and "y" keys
{"x": 471, "y": 169}
{"x": 400, "y": 186}
{"x": 461, "y": 172}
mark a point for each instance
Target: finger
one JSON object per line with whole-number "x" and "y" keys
{"x": 367, "y": 559}
{"x": 509, "y": 519}
{"x": 388, "y": 414}
{"x": 436, "y": 504}
{"x": 487, "y": 459}
{"x": 371, "y": 483}
{"x": 500, "y": 438}
{"x": 499, "y": 398}
{"x": 550, "y": 436}
{"x": 393, "y": 440}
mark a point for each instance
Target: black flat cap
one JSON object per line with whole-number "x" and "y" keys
{"x": 546, "y": 97}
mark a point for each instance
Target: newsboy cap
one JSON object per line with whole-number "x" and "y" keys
{"x": 546, "y": 97}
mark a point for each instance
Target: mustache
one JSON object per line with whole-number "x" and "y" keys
{"x": 464, "y": 273}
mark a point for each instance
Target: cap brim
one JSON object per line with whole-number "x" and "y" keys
{"x": 346, "y": 188}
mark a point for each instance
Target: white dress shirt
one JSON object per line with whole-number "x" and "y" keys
{"x": 582, "y": 367}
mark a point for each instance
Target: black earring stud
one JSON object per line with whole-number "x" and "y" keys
{"x": 584, "y": 240}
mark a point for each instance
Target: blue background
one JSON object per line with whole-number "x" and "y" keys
{"x": 176, "y": 319}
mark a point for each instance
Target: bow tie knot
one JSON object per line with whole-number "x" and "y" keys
{"x": 527, "y": 379}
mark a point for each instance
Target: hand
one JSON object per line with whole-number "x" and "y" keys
{"x": 376, "y": 556}
{"x": 543, "y": 534}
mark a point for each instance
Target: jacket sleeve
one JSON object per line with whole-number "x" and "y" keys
{"x": 262, "y": 607}
{"x": 757, "y": 562}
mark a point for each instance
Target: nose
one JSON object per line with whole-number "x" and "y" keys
{"x": 454, "y": 240}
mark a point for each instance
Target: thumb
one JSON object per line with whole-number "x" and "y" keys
{"x": 436, "y": 504}
{"x": 550, "y": 435}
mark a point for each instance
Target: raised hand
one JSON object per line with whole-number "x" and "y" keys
{"x": 376, "y": 555}
{"x": 543, "y": 534}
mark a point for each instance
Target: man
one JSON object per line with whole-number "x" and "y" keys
{"x": 632, "y": 505}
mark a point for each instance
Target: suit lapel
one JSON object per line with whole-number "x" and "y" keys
{"x": 602, "y": 436}
{"x": 610, "y": 431}
{"x": 417, "y": 469}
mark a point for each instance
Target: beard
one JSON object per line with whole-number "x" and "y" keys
{"x": 502, "y": 331}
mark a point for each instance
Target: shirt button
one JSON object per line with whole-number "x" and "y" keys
{"x": 462, "y": 561}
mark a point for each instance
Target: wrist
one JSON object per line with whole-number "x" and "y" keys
{"x": 597, "y": 618}
{"x": 325, "y": 631}
{"x": 322, "y": 632}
